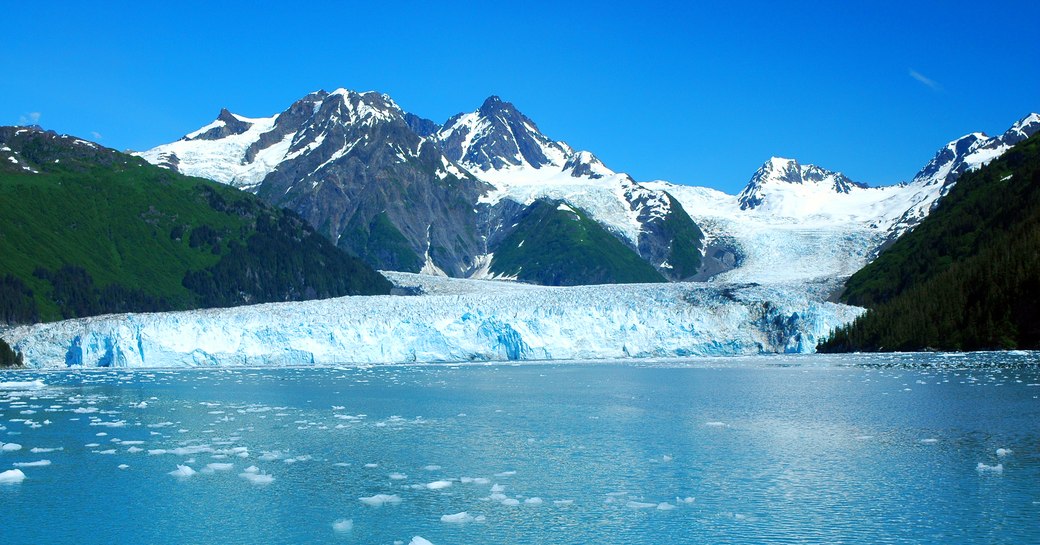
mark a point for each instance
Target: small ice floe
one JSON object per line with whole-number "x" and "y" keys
{"x": 141, "y": 405}
{"x": 182, "y": 472}
{"x": 983, "y": 468}
{"x": 343, "y": 525}
{"x": 510, "y": 501}
{"x": 505, "y": 474}
{"x": 438, "y": 485}
{"x": 666, "y": 458}
{"x": 134, "y": 450}
{"x": 218, "y": 466}
{"x": 533, "y": 501}
{"x": 640, "y": 505}
{"x": 10, "y": 447}
{"x": 563, "y": 502}
{"x": 497, "y": 488}
{"x": 38, "y": 463}
{"x": 397, "y": 476}
{"x": 257, "y": 478}
{"x": 22, "y": 385}
{"x": 665, "y": 506}
{"x": 687, "y": 499}
{"x": 715, "y": 424}
{"x": 122, "y": 466}
{"x": 864, "y": 437}
{"x": 43, "y": 450}
{"x": 419, "y": 540}
{"x": 11, "y": 476}
{"x": 929, "y": 441}
{"x": 371, "y": 466}
{"x": 1004, "y": 452}
{"x": 380, "y": 500}
{"x": 432, "y": 467}
{"x": 462, "y": 518}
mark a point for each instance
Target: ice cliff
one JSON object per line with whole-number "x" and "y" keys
{"x": 453, "y": 321}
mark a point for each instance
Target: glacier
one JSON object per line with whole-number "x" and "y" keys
{"x": 454, "y": 320}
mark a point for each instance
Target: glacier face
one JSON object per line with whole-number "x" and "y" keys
{"x": 454, "y": 321}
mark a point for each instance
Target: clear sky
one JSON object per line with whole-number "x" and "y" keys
{"x": 696, "y": 94}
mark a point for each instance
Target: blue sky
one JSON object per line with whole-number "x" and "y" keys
{"x": 691, "y": 94}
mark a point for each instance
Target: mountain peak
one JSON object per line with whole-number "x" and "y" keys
{"x": 779, "y": 173}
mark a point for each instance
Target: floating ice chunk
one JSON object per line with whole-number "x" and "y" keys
{"x": 123, "y": 466}
{"x": 371, "y": 466}
{"x": 715, "y": 424}
{"x": 107, "y": 451}
{"x": 38, "y": 463}
{"x": 182, "y": 472}
{"x": 251, "y": 469}
{"x": 640, "y": 505}
{"x": 85, "y": 410}
{"x": 458, "y": 518}
{"x": 533, "y": 501}
{"x": 666, "y": 458}
{"x": 217, "y": 466}
{"x": 10, "y": 447}
{"x": 1004, "y": 452}
{"x": 687, "y": 499}
{"x": 11, "y": 476}
{"x": 510, "y": 501}
{"x": 505, "y": 474}
{"x": 438, "y": 485}
{"x": 419, "y": 540}
{"x": 497, "y": 496}
{"x": 141, "y": 405}
{"x": 380, "y": 500}
{"x": 983, "y": 468}
{"x": 563, "y": 502}
{"x": 929, "y": 441}
{"x": 398, "y": 476}
{"x": 432, "y": 468}
{"x": 22, "y": 385}
{"x": 258, "y": 479}
{"x": 156, "y": 452}
{"x": 134, "y": 450}
{"x": 343, "y": 525}
{"x": 42, "y": 450}
{"x": 497, "y": 488}
{"x": 665, "y": 506}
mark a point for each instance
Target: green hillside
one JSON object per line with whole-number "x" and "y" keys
{"x": 967, "y": 278}
{"x": 87, "y": 230}
{"x": 559, "y": 245}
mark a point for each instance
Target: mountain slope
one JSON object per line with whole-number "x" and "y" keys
{"x": 968, "y": 277}
{"x": 89, "y": 230}
{"x": 556, "y": 244}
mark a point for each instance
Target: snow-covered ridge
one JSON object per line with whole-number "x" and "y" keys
{"x": 457, "y": 320}
{"x": 244, "y": 157}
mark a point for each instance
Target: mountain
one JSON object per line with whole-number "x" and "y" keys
{"x": 968, "y": 277}
{"x": 406, "y": 194}
{"x": 88, "y": 230}
{"x": 796, "y": 222}
{"x": 352, "y": 165}
{"x": 503, "y": 147}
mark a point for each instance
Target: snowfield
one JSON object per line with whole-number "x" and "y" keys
{"x": 454, "y": 321}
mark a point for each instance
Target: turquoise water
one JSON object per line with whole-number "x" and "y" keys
{"x": 811, "y": 449}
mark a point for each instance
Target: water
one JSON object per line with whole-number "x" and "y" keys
{"x": 855, "y": 449}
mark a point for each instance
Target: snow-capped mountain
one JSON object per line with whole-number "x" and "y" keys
{"x": 352, "y": 165}
{"x": 502, "y": 146}
{"x": 794, "y": 221}
{"x": 406, "y": 194}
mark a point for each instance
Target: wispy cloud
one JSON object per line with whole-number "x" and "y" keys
{"x": 31, "y": 118}
{"x": 925, "y": 80}
{"x": 96, "y": 135}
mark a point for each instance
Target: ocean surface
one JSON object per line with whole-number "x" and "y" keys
{"x": 809, "y": 449}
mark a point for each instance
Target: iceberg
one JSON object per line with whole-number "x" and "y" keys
{"x": 455, "y": 320}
